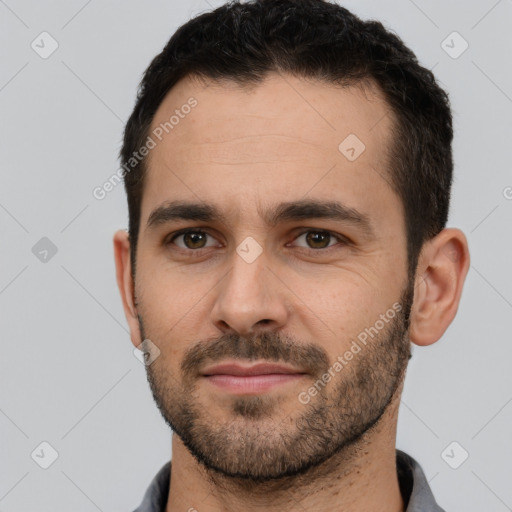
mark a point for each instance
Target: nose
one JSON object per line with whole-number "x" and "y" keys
{"x": 250, "y": 299}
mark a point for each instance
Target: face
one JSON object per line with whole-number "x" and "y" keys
{"x": 281, "y": 314}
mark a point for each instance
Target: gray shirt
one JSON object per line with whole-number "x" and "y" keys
{"x": 414, "y": 487}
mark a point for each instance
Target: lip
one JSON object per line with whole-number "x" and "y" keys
{"x": 244, "y": 371}
{"x": 258, "y": 378}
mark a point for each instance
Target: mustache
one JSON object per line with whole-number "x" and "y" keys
{"x": 268, "y": 346}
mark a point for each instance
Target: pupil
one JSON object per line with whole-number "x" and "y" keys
{"x": 195, "y": 237}
{"x": 316, "y": 236}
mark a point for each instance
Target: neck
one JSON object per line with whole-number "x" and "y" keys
{"x": 361, "y": 477}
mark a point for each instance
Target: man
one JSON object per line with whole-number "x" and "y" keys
{"x": 288, "y": 171}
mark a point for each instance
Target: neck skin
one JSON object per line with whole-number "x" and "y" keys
{"x": 361, "y": 478}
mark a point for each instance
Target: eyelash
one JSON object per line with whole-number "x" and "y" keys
{"x": 341, "y": 239}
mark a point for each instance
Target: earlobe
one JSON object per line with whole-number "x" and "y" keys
{"x": 442, "y": 269}
{"x": 125, "y": 283}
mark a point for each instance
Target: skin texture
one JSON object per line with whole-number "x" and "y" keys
{"x": 302, "y": 301}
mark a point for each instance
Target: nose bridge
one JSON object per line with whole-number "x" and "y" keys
{"x": 249, "y": 297}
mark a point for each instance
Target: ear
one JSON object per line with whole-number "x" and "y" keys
{"x": 125, "y": 283}
{"x": 442, "y": 268}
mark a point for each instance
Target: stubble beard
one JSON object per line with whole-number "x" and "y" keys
{"x": 253, "y": 443}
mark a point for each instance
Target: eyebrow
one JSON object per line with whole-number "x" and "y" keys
{"x": 288, "y": 211}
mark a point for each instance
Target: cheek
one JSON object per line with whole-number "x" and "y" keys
{"x": 342, "y": 310}
{"x": 164, "y": 306}
{"x": 166, "y": 289}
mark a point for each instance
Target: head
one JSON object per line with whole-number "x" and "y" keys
{"x": 308, "y": 154}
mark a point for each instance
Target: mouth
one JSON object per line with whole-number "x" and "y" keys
{"x": 253, "y": 379}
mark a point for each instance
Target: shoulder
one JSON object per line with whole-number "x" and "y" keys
{"x": 414, "y": 486}
{"x": 157, "y": 494}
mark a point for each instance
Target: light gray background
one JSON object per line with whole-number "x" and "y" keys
{"x": 68, "y": 373}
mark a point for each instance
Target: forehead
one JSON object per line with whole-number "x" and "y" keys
{"x": 311, "y": 110}
{"x": 279, "y": 140}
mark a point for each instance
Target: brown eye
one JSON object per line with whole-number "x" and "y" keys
{"x": 318, "y": 239}
{"x": 194, "y": 240}
{"x": 191, "y": 239}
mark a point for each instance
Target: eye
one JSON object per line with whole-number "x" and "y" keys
{"x": 192, "y": 239}
{"x": 318, "y": 239}
{"x": 196, "y": 239}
